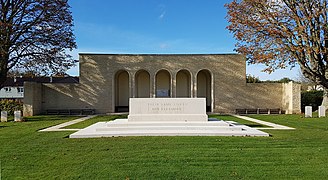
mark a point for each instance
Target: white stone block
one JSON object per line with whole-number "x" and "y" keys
{"x": 4, "y": 116}
{"x": 18, "y": 116}
{"x": 308, "y": 111}
{"x": 167, "y": 109}
{"x": 322, "y": 111}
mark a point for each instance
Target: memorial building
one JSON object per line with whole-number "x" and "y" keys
{"x": 107, "y": 81}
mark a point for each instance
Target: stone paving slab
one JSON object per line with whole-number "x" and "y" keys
{"x": 272, "y": 125}
{"x": 59, "y": 126}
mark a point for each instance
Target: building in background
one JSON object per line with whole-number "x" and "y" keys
{"x": 107, "y": 81}
{"x": 14, "y": 87}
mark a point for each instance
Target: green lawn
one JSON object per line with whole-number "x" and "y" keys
{"x": 96, "y": 119}
{"x": 293, "y": 154}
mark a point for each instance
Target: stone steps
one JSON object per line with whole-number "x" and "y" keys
{"x": 169, "y": 128}
{"x": 122, "y": 127}
{"x": 125, "y": 123}
{"x": 166, "y": 133}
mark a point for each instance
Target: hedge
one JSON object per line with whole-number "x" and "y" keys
{"x": 311, "y": 98}
{"x": 10, "y": 106}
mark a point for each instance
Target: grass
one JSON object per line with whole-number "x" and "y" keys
{"x": 96, "y": 119}
{"x": 240, "y": 121}
{"x": 293, "y": 154}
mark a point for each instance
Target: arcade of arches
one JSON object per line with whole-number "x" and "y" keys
{"x": 183, "y": 84}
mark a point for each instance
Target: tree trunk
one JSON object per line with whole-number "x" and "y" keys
{"x": 3, "y": 77}
{"x": 3, "y": 69}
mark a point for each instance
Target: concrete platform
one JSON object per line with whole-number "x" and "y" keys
{"x": 122, "y": 127}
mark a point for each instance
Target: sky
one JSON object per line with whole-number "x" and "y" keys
{"x": 157, "y": 27}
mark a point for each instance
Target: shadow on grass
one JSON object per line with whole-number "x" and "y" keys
{"x": 100, "y": 118}
{"x": 255, "y": 125}
{"x": 50, "y": 118}
{"x": 121, "y": 116}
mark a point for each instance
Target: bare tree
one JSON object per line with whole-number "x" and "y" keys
{"x": 306, "y": 83}
{"x": 281, "y": 33}
{"x": 35, "y": 35}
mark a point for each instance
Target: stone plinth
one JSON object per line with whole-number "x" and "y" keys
{"x": 167, "y": 109}
{"x": 308, "y": 111}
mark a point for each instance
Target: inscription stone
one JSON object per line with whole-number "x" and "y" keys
{"x": 322, "y": 111}
{"x": 308, "y": 111}
{"x": 4, "y": 116}
{"x": 18, "y": 116}
{"x": 167, "y": 109}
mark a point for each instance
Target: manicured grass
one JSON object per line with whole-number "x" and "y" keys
{"x": 293, "y": 154}
{"x": 240, "y": 121}
{"x": 96, "y": 119}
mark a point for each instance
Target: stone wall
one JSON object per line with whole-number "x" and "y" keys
{"x": 226, "y": 72}
{"x": 32, "y": 98}
{"x": 292, "y": 98}
{"x": 250, "y": 96}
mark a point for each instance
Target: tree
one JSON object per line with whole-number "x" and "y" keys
{"x": 281, "y": 33}
{"x": 35, "y": 35}
{"x": 282, "y": 80}
{"x": 285, "y": 80}
{"x": 252, "y": 79}
{"x": 307, "y": 84}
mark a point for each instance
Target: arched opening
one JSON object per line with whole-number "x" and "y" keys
{"x": 122, "y": 91}
{"x": 204, "y": 87}
{"x": 163, "y": 84}
{"x": 142, "y": 81}
{"x": 183, "y": 84}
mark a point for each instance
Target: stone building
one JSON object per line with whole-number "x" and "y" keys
{"x": 107, "y": 81}
{"x": 14, "y": 87}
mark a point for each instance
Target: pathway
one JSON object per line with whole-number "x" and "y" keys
{"x": 60, "y": 126}
{"x": 272, "y": 125}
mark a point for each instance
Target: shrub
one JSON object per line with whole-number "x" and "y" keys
{"x": 10, "y": 106}
{"x": 311, "y": 98}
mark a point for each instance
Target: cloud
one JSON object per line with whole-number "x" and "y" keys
{"x": 163, "y": 45}
{"x": 162, "y": 9}
{"x": 162, "y": 15}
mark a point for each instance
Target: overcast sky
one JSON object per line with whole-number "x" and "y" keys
{"x": 156, "y": 26}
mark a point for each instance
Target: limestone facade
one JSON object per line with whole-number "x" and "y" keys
{"x": 107, "y": 81}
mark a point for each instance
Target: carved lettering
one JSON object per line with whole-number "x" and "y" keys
{"x": 166, "y": 107}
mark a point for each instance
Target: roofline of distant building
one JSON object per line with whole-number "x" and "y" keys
{"x": 156, "y": 54}
{"x": 19, "y": 81}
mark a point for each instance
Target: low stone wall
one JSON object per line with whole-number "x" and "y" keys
{"x": 41, "y": 97}
{"x": 285, "y": 96}
{"x": 265, "y": 95}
